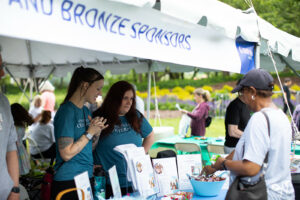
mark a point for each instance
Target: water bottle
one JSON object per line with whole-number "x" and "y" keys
{"x": 100, "y": 182}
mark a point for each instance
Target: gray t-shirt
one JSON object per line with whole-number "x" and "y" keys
{"x": 8, "y": 138}
{"x": 256, "y": 143}
{"x": 43, "y": 135}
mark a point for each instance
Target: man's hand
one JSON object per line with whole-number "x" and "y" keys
{"x": 14, "y": 196}
{"x": 207, "y": 170}
{"x": 218, "y": 164}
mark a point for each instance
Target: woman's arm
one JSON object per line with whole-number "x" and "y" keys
{"x": 148, "y": 141}
{"x": 68, "y": 148}
{"x": 199, "y": 112}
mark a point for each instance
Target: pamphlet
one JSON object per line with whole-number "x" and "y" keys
{"x": 82, "y": 181}
{"x": 143, "y": 173}
{"x": 188, "y": 164}
{"x": 114, "y": 180}
{"x": 165, "y": 171}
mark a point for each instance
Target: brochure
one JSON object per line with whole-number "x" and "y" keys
{"x": 165, "y": 171}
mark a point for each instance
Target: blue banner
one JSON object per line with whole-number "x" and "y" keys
{"x": 246, "y": 52}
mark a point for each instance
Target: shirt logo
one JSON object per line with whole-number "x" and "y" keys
{"x": 122, "y": 128}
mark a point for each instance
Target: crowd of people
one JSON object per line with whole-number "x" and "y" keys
{"x": 79, "y": 139}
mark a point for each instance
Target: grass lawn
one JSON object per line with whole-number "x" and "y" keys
{"x": 216, "y": 128}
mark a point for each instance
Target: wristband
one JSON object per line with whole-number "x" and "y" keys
{"x": 88, "y": 135}
{"x": 223, "y": 165}
{"x": 15, "y": 190}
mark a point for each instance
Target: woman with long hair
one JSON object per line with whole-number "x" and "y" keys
{"x": 266, "y": 139}
{"x": 200, "y": 112}
{"x": 75, "y": 130}
{"x": 126, "y": 126}
{"x": 22, "y": 120}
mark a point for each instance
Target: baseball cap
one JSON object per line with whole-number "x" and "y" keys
{"x": 257, "y": 78}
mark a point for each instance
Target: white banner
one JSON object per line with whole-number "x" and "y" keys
{"x": 118, "y": 28}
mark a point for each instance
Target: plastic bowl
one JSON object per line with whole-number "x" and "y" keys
{"x": 207, "y": 189}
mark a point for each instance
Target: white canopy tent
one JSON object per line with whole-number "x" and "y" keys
{"x": 39, "y": 38}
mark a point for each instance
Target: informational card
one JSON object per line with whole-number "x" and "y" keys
{"x": 132, "y": 153}
{"x": 144, "y": 175}
{"x": 188, "y": 164}
{"x": 82, "y": 181}
{"x": 114, "y": 180}
{"x": 165, "y": 171}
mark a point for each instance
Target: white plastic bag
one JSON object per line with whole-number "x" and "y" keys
{"x": 184, "y": 125}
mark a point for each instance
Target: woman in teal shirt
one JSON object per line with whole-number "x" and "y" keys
{"x": 126, "y": 126}
{"x": 74, "y": 130}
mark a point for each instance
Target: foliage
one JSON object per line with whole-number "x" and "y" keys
{"x": 283, "y": 14}
{"x": 208, "y": 88}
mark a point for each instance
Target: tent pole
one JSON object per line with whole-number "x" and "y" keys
{"x": 257, "y": 55}
{"x": 149, "y": 90}
{"x": 17, "y": 83}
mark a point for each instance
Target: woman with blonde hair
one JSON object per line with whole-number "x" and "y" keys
{"x": 200, "y": 112}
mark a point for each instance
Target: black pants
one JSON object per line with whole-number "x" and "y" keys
{"x": 49, "y": 153}
{"x": 285, "y": 108}
{"x": 109, "y": 192}
{"x": 58, "y": 186}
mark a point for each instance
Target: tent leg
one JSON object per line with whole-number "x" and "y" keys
{"x": 257, "y": 56}
{"x": 149, "y": 90}
{"x": 17, "y": 83}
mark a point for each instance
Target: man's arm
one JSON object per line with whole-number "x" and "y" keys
{"x": 234, "y": 131}
{"x": 13, "y": 170}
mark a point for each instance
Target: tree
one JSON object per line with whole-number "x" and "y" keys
{"x": 283, "y": 14}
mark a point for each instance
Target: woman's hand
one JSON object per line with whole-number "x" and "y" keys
{"x": 184, "y": 111}
{"x": 97, "y": 125}
{"x": 207, "y": 170}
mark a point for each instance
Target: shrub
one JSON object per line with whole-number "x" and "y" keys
{"x": 208, "y": 88}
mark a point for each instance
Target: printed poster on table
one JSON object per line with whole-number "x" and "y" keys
{"x": 188, "y": 164}
{"x": 165, "y": 171}
{"x": 144, "y": 176}
{"x": 82, "y": 181}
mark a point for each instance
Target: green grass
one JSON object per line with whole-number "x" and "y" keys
{"x": 216, "y": 129}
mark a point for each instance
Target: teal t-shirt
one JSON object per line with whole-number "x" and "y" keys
{"x": 105, "y": 154}
{"x": 69, "y": 122}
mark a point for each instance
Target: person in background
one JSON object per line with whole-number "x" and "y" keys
{"x": 236, "y": 119}
{"x": 296, "y": 119}
{"x": 48, "y": 96}
{"x": 287, "y": 93}
{"x": 126, "y": 126}
{"x": 75, "y": 131}
{"x": 22, "y": 120}
{"x": 140, "y": 105}
{"x": 9, "y": 166}
{"x": 255, "y": 143}
{"x": 43, "y": 135}
{"x": 35, "y": 111}
{"x": 200, "y": 112}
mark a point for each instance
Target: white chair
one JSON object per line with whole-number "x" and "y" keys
{"x": 216, "y": 149}
{"x": 189, "y": 148}
{"x": 33, "y": 143}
